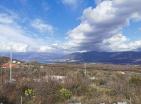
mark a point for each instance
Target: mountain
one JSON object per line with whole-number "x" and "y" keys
{"x": 130, "y": 57}
{"x": 34, "y": 56}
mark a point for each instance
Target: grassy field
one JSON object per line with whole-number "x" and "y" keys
{"x": 35, "y": 83}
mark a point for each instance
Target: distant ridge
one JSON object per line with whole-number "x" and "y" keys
{"x": 41, "y": 57}
{"x": 128, "y": 57}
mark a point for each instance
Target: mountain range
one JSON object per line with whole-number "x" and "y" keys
{"x": 129, "y": 57}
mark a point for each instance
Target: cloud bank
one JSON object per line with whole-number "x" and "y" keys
{"x": 101, "y": 27}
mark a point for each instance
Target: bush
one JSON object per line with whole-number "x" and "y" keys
{"x": 65, "y": 94}
{"x": 27, "y": 91}
{"x": 135, "y": 80}
{"x": 100, "y": 82}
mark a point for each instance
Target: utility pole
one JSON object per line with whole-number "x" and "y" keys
{"x": 10, "y": 65}
{"x": 130, "y": 100}
{"x": 21, "y": 100}
{"x": 85, "y": 66}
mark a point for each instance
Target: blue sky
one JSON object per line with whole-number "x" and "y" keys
{"x": 133, "y": 31}
{"x": 70, "y": 25}
{"x": 62, "y": 16}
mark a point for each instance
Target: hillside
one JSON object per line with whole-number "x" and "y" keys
{"x": 129, "y": 57}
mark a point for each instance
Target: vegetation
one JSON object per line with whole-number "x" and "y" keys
{"x": 63, "y": 83}
{"x": 65, "y": 94}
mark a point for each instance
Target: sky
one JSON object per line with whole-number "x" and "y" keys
{"x": 66, "y": 26}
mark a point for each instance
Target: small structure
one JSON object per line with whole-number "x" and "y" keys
{"x": 18, "y": 62}
{"x": 41, "y": 66}
{"x": 7, "y": 66}
{"x": 14, "y": 61}
{"x": 92, "y": 78}
{"x": 121, "y": 72}
{"x": 122, "y": 102}
{"x": 55, "y": 78}
{"x": 14, "y": 64}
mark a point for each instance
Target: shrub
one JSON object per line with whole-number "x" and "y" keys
{"x": 100, "y": 82}
{"x": 135, "y": 80}
{"x": 65, "y": 94}
{"x": 27, "y": 91}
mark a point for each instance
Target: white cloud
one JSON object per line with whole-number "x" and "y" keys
{"x": 14, "y": 36}
{"x": 72, "y": 3}
{"x": 116, "y": 39}
{"x": 120, "y": 42}
{"x": 99, "y": 1}
{"x": 4, "y": 18}
{"x": 13, "y": 46}
{"x": 46, "y": 49}
{"x": 42, "y": 27}
{"x": 103, "y": 22}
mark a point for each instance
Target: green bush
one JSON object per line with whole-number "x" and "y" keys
{"x": 65, "y": 94}
{"x": 26, "y": 91}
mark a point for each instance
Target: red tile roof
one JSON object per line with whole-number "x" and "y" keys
{"x": 7, "y": 65}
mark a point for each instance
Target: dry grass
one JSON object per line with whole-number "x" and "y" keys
{"x": 102, "y": 83}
